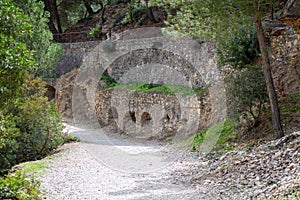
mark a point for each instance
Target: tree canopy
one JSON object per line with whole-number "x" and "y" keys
{"x": 221, "y": 20}
{"x": 15, "y": 58}
{"x": 45, "y": 52}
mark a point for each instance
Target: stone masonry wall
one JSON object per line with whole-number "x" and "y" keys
{"x": 73, "y": 54}
{"x": 286, "y": 60}
{"x": 285, "y": 42}
{"x": 151, "y": 115}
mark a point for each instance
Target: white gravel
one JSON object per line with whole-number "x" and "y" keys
{"x": 111, "y": 168}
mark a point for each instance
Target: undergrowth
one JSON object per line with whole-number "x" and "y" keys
{"x": 180, "y": 90}
{"x": 222, "y": 133}
{"x": 22, "y": 183}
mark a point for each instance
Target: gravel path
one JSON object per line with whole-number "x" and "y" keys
{"x": 109, "y": 167}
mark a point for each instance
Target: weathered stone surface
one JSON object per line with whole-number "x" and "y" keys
{"x": 284, "y": 37}
{"x": 290, "y": 14}
{"x": 268, "y": 171}
{"x": 139, "y": 58}
{"x": 286, "y": 60}
{"x": 64, "y": 92}
{"x": 73, "y": 56}
{"x": 180, "y": 61}
{"x": 152, "y": 115}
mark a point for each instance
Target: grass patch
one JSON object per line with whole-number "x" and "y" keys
{"x": 22, "y": 183}
{"x": 290, "y": 104}
{"x": 222, "y": 134}
{"x": 180, "y": 90}
{"x": 33, "y": 167}
{"x": 68, "y": 138}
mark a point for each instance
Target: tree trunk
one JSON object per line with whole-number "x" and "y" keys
{"x": 268, "y": 77}
{"x": 51, "y": 7}
{"x": 88, "y": 8}
{"x": 102, "y": 14}
{"x": 56, "y": 15}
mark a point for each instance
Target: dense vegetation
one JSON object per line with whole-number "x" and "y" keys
{"x": 30, "y": 127}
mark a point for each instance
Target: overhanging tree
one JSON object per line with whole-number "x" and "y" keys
{"x": 219, "y": 20}
{"x": 46, "y": 53}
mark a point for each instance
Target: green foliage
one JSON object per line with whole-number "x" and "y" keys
{"x": 68, "y": 138}
{"x": 225, "y": 132}
{"x": 217, "y": 20}
{"x": 46, "y": 53}
{"x": 95, "y": 32}
{"x": 32, "y": 168}
{"x": 108, "y": 80}
{"x": 168, "y": 89}
{"x": 180, "y": 90}
{"x": 30, "y": 128}
{"x": 291, "y": 104}
{"x": 136, "y": 9}
{"x": 246, "y": 94}
{"x": 137, "y": 12}
{"x": 15, "y": 59}
{"x": 19, "y": 186}
{"x": 239, "y": 51}
{"x": 198, "y": 138}
{"x": 70, "y": 12}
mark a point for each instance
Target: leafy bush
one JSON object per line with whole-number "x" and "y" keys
{"x": 240, "y": 51}
{"x": 46, "y": 53}
{"x": 246, "y": 94}
{"x": 30, "y": 128}
{"x": 137, "y": 12}
{"x": 19, "y": 186}
{"x": 16, "y": 59}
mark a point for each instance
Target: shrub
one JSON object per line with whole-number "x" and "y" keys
{"x": 30, "y": 128}
{"x": 137, "y": 12}
{"x": 19, "y": 186}
{"x": 246, "y": 94}
{"x": 239, "y": 51}
{"x": 95, "y": 32}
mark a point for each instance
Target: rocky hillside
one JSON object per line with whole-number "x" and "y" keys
{"x": 115, "y": 19}
{"x": 269, "y": 171}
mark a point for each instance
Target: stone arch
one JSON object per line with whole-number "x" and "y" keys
{"x": 129, "y": 117}
{"x": 50, "y": 92}
{"x": 145, "y": 119}
{"x": 112, "y": 115}
{"x": 141, "y": 57}
{"x": 200, "y": 56}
